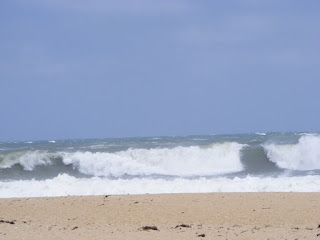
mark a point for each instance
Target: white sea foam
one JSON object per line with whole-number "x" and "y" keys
{"x": 52, "y": 141}
{"x": 27, "y": 159}
{"x": 305, "y": 155}
{"x": 306, "y": 134}
{"x": 65, "y": 185}
{"x": 179, "y": 161}
{"x": 97, "y": 146}
{"x": 261, "y": 134}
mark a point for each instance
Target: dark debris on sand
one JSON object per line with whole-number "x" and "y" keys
{"x": 183, "y": 226}
{"x": 9, "y": 222}
{"x": 147, "y": 228}
{"x": 201, "y": 235}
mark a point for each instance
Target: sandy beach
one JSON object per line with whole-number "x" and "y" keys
{"x": 169, "y": 216}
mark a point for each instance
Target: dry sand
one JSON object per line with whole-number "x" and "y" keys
{"x": 206, "y": 216}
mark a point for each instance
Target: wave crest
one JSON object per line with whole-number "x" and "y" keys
{"x": 305, "y": 155}
{"x": 179, "y": 161}
{"x": 27, "y": 159}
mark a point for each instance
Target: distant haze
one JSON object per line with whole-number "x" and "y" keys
{"x": 99, "y": 69}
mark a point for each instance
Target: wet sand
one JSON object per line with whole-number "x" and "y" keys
{"x": 175, "y": 216}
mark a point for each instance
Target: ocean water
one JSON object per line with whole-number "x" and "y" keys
{"x": 259, "y": 162}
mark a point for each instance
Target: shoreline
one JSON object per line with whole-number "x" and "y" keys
{"x": 175, "y": 216}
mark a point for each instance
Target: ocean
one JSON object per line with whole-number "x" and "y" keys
{"x": 258, "y": 162}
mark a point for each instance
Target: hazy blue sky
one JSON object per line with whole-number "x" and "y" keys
{"x": 94, "y": 69}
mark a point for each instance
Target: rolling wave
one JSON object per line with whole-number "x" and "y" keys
{"x": 239, "y": 163}
{"x": 189, "y": 161}
{"x": 178, "y": 161}
{"x": 28, "y": 160}
{"x": 305, "y": 155}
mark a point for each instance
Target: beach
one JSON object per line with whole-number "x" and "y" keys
{"x": 145, "y": 120}
{"x": 163, "y": 216}
{"x": 245, "y": 186}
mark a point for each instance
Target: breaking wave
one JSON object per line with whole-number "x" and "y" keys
{"x": 305, "y": 155}
{"x": 179, "y": 161}
{"x": 27, "y": 159}
{"x": 271, "y": 162}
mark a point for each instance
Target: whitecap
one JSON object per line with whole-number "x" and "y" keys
{"x": 65, "y": 185}
{"x": 305, "y": 155}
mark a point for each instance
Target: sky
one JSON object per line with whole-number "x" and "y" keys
{"x": 129, "y": 68}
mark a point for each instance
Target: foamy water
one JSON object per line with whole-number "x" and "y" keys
{"x": 178, "y": 161}
{"x": 304, "y": 155}
{"x": 65, "y": 185}
{"x": 227, "y": 163}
